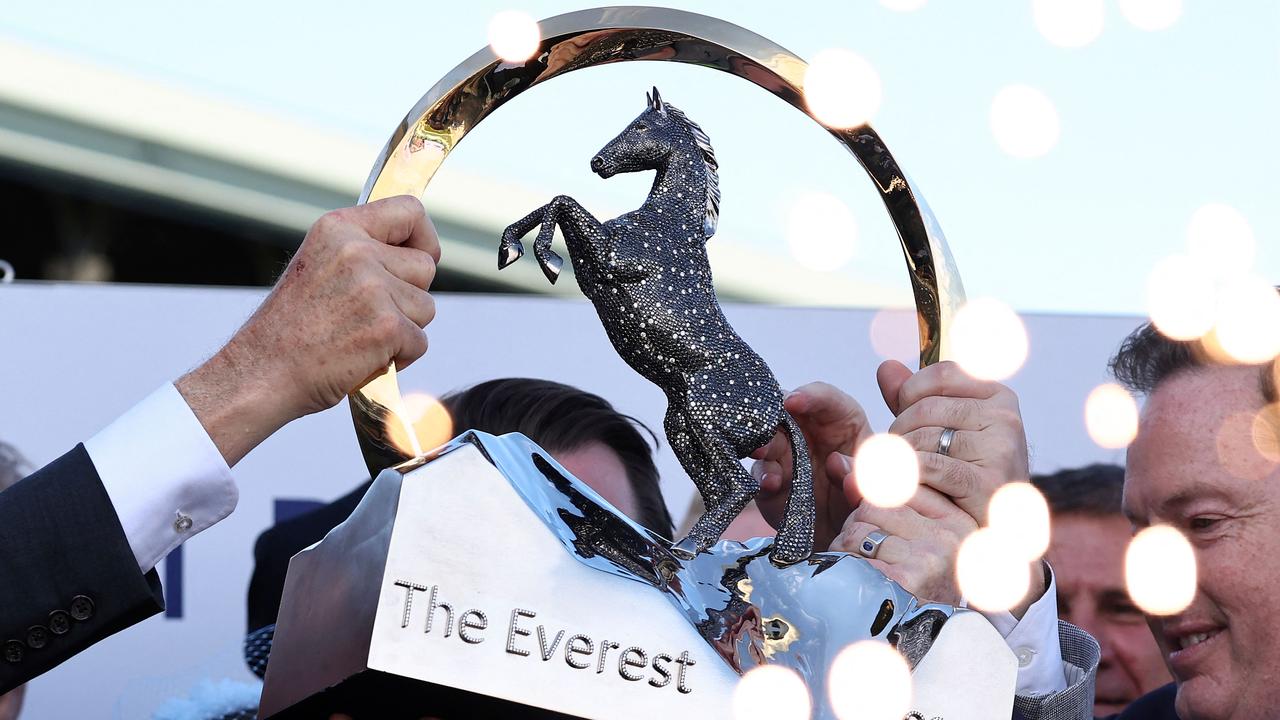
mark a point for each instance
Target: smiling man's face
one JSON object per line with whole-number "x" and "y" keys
{"x": 1206, "y": 464}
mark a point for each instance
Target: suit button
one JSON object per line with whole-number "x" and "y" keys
{"x": 13, "y": 651}
{"x": 59, "y": 622}
{"x": 81, "y": 607}
{"x": 37, "y": 637}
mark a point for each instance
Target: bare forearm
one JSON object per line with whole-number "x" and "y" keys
{"x": 233, "y": 397}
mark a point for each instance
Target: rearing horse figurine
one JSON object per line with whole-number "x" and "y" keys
{"x": 648, "y": 275}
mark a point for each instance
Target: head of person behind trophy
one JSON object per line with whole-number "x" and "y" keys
{"x": 604, "y": 448}
{"x": 1205, "y": 462}
{"x": 1086, "y": 552}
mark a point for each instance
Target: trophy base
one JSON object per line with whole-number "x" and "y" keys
{"x": 387, "y": 696}
{"x": 486, "y": 576}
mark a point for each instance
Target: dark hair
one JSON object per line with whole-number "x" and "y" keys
{"x": 562, "y": 418}
{"x": 1147, "y": 357}
{"x": 1091, "y": 490}
{"x": 13, "y": 467}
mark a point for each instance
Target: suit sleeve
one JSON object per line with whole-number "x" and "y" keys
{"x": 68, "y": 576}
{"x": 1080, "y": 657}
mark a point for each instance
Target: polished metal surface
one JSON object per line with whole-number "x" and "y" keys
{"x": 945, "y": 439}
{"x": 750, "y": 609}
{"x": 588, "y": 38}
{"x": 458, "y": 524}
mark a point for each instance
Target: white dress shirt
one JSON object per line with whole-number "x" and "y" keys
{"x": 165, "y": 477}
{"x": 168, "y": 482}
{"x": 1034, "y": 641}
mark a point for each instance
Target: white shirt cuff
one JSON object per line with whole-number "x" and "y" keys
{"x": 165, "y": 477}
{"x": 1034, "y": 641}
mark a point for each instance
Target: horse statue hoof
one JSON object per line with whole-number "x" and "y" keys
{"x": 686, "y": 549}
{"x": 508, "y": 254}
{"x": 551, "y": 267}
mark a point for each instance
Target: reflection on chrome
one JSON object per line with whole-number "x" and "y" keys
{"x": 749, "y": 609}
{"x": 481, "y": 84}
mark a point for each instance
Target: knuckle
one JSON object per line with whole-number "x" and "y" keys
{"x": 959, "y": 410}
{"x": 368, "y": 284}
{"x": 428, "y": 306}
{"x": 331, "y": 221}
{"x": 350, "y": 251}
{"x": 411, "y": 204}
{"x": 959, "y": 478}
{"x": 932, "y": 406}
{"x": 919, "y": 439}
{"x": 1008, "y": 417}
{"x": 854, "y": 529}
{"x": 931, "y": 463}
{"x": 947, "y": 371}
{"x": 417, "y": 349}
{"x": 386, "y": 327}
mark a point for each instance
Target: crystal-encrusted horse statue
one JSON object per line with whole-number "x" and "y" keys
{"x": 648, "y": 275}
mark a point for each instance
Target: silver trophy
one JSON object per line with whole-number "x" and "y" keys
{"x": 576, "y": 610}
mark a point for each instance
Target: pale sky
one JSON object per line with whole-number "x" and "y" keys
{"x": 1153, "y": 124}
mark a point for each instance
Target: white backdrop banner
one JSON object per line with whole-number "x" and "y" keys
{"x": 76, "y": 356}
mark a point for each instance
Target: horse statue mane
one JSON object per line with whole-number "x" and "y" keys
{"x": 648, "y": 275}
{"x": 712, "y": 220}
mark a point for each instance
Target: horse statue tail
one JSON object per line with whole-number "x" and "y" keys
{"x": 795, "y": 538}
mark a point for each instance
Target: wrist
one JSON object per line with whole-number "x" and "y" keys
{"x": 235, "y": 401}
{"x": 1038, "y": 586}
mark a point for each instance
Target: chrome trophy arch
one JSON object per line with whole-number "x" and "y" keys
{"x": 480, "y": 85}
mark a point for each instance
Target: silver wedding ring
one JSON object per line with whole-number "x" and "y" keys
{"x": 944, "y": 441}
{"x": 870, "y": 545}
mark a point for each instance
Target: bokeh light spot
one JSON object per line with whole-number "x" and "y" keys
{"x": 1069, "y": 23}
{"x": 1160, "y": 570}
{"x": 821, "y": 232}
{"x": 1151, "y": 15}
{"x": 1019, "y": 513}
{"x": 895, "y": 335}
{"x": 1181, "y": 298}
{"x": 1246, "y": 444}
{"x": 771, "y": 692}
{"x": 992, "y": 575}
{"x": 1024, "y": 121}
{"x": 988, "y": 339}
{"x": 869, "y": 680}
{"x": 1265, "y": 431}
{"x": 841, "y": 88}
{"x": 514, "y": 36}
{"x": 429, "y": 420}
{"x": 886, "y": 469}
{"x": 1247, "y": 327}
{"x": 1111, "y": 416}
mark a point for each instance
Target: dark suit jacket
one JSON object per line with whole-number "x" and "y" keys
{"x": 1155, "y": 705}
{"x": 68, "y": 577}
{"x": 282, "y": 541}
